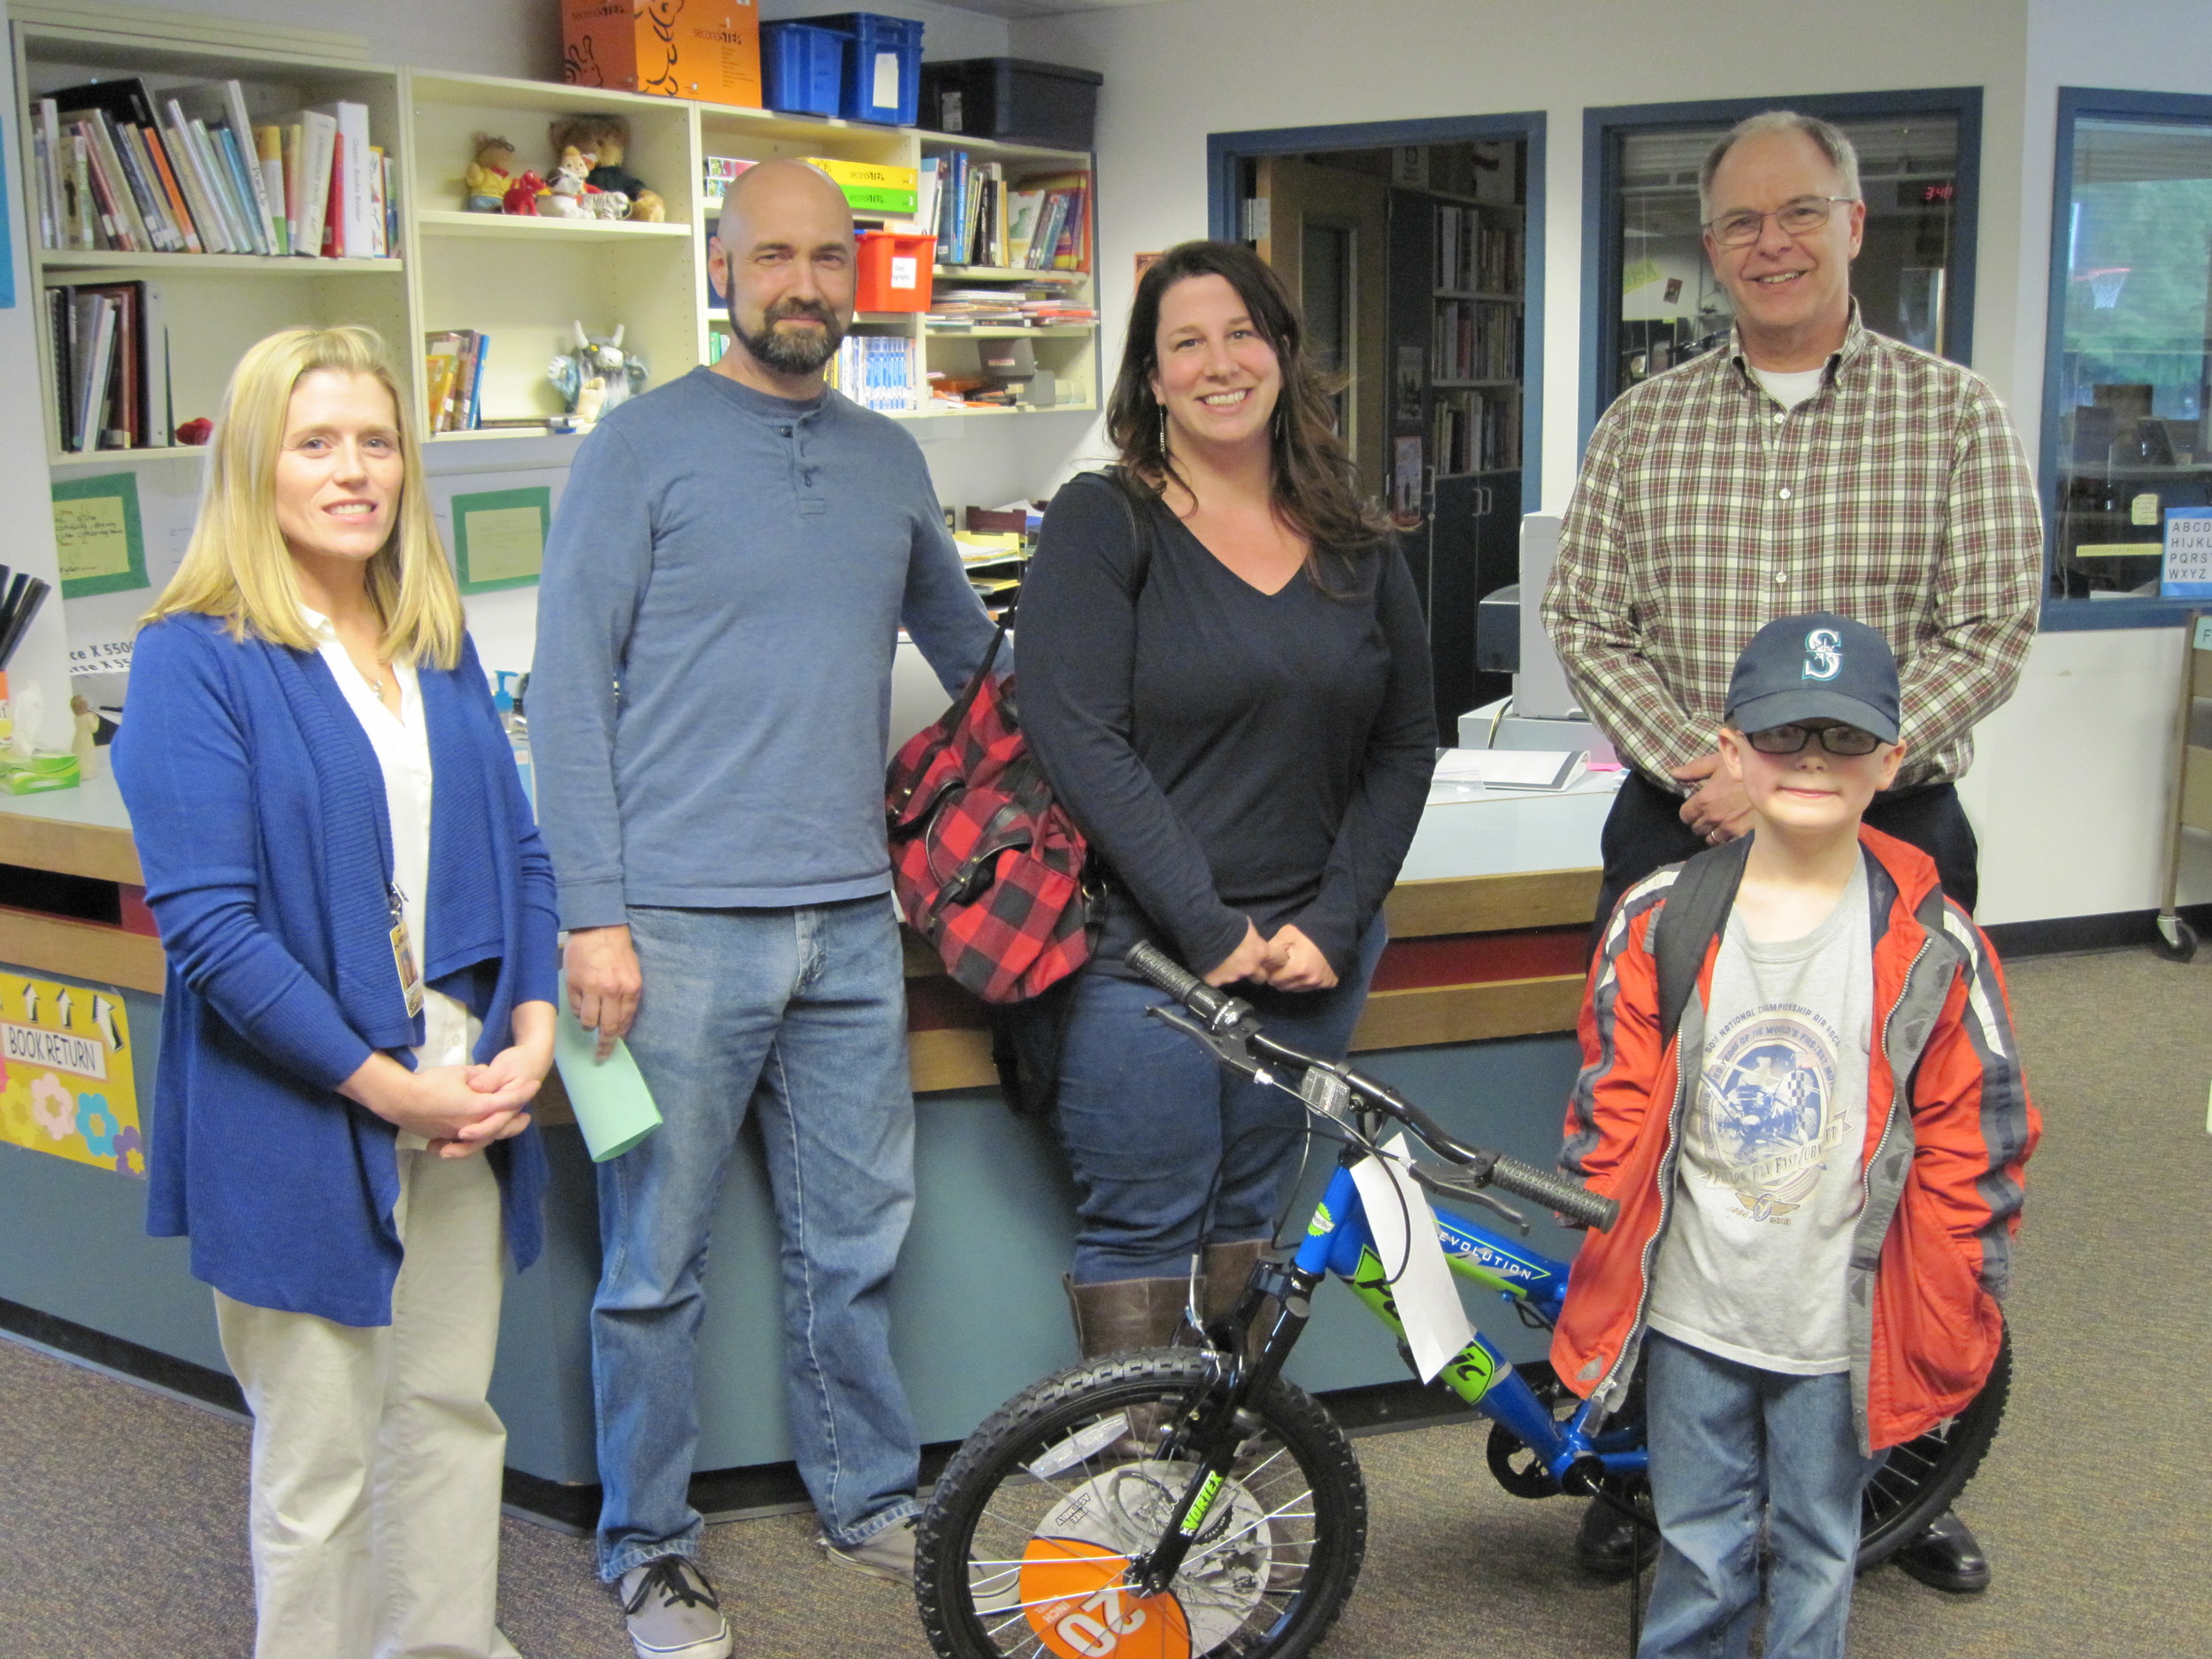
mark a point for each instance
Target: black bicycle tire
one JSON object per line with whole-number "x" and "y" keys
{"x": 992, "y": 1453}
{"x": 1937, "y": 1465}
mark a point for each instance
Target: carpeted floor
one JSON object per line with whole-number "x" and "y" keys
{"x": 121, "y": 1510}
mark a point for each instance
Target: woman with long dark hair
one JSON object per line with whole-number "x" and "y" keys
{"x": 1225, "y": 677}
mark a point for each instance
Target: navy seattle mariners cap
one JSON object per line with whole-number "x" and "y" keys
{"x": 1815, "y": 667}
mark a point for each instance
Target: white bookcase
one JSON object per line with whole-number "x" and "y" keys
{"x": 524, "y": 281}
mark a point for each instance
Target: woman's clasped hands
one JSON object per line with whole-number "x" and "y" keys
{"x": 1287, "y": 962}
{"x": 462, "y": 1109}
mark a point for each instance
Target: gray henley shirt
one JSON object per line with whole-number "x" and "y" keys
{"x": 710, "y": 699}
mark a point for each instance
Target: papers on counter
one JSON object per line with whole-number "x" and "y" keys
{"x": 1512, "y": 769}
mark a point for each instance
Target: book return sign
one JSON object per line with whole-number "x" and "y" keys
{"x": 2187, "y": 573}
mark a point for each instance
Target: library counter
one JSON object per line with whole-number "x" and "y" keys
{"x": 1470, "y": 1015}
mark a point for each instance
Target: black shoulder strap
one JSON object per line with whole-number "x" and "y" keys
{"x": 1140, "y": 533}
{"x": 1696, "y": 911}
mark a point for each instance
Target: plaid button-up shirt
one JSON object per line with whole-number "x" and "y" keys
{"x": 1897, "y": 494}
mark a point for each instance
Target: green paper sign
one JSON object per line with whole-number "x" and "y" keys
{"x": 499, "y": 537}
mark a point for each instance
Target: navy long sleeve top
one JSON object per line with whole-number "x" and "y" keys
{"x": 1230, "y": 754}
{"x": 710, "y": 705}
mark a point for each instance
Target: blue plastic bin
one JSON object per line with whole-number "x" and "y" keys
{"x": 883, "y": 69}
{"x": 802, "y": 67}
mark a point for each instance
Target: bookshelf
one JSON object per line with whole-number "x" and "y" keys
{"x": 523, "y": 281}
{"x": 1475, "y": 365}
{"x": 215, "y": 304}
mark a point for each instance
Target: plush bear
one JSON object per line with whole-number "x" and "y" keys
{"x": 489, "y": 175}
{"x": 607, "y": 137}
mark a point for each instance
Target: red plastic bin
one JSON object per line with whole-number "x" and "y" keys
{"x": 896, "y": 270}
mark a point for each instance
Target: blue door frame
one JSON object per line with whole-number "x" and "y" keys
{"x": 1604, "y": 127}
{"x": 1225, "y": 150}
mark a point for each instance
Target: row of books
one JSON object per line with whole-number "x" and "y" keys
{"x": 1477, "y": 431}
{"x": 110, "y": 353}
{"x": 878, "y": 371}
{"x": 1005, "y": 308}
{"x": 453, "y": 380}
{"x": 1476, "y": 339}
{"x": 1476, "y": 250}
{"x": 979, "y": 218}
{"x": 200, "y": 177}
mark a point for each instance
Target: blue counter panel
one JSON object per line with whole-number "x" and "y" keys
{"x": 978, "y": 1312}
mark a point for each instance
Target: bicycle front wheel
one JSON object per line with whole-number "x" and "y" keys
{"x": 1024, "y": 1552}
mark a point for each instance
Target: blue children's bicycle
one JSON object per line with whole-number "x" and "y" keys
{"x": 1169, "y": 1503}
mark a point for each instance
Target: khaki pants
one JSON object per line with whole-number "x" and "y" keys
{"x": 376, "y": 1460}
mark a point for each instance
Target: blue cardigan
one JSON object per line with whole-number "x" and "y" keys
{"x": 257, "y": 804}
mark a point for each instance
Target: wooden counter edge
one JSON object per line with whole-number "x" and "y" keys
{"x": 71, "y": 849}
{"x": 97, "y": 951}
{"x": 1491, "y": 904}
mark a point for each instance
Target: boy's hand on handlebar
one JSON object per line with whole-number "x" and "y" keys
{"x": 1300, "y": 965}
{"x": 1254, "y": 959}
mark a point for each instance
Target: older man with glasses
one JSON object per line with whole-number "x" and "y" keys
{"x": 1815, "y": 465}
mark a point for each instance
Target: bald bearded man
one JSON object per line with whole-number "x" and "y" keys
{"x": 735, "y": 552}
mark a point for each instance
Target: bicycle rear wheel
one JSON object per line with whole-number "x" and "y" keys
{"x": 1024, "y": 1550}
{"x": 1924, "y": 1477}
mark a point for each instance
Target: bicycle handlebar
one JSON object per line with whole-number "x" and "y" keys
{"x": 1223, "y": 1013}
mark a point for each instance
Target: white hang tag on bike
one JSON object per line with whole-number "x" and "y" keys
{"x": 1428, "y": 1302}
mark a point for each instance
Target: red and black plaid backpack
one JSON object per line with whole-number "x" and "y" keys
{"x": 988, "y": 866}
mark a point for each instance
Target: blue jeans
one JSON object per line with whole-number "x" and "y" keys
{"x": 1147, "y": 1118}
{"x": 801, "y": 1014}
{"x": 1731, "y": 1445}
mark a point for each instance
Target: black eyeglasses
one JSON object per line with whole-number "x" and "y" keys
{"x": 1837, "y": 740}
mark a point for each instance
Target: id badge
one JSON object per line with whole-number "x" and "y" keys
{"x": 404, "y": 957}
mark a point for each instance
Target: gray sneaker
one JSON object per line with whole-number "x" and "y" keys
{"x": 671, "y": 1611}
{"x": 886, "y": 1554}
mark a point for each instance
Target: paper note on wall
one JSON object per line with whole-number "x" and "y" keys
{"x": 66, "y": 1061}
{"x": 2187, "y": 573}
{"x": 505, "y": 544}
{"x": 92, "y": 537}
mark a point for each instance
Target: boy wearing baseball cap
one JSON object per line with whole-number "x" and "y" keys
{"x": 1817, "y": 1145}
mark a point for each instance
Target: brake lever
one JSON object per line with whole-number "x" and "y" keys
{"x": 1446, "y": 1188}
{"x": 1233, "y": 1047}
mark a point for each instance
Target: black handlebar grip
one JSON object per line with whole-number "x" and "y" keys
{"x": 1570, "y": 1199}
{"x": 1163, "y": 970}
{"x": 1216, "y": 1007}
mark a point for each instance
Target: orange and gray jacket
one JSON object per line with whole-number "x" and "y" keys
{"x": 1950, "y": 1129}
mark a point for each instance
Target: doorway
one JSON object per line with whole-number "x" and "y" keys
{"x": 1408, "y": 246}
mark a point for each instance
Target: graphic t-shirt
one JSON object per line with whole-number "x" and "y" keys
{"x": 1767, "y": 1182}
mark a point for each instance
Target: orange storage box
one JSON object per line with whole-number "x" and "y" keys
{"x": 896, "y": 271}
{"x": 707, "y": 50}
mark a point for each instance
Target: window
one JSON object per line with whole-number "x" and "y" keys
{"x": 2125, "y": 419}
{"x": 1653, "y": 301}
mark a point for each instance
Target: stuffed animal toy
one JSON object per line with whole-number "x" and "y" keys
{"x": 607, "y": 137}
{"x": 522, "y": 194}
{"x": 565, "y": 196}
{"x": 597, "y": 376}
{"x": 488, "y": 176}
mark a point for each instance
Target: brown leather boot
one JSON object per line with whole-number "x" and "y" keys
{"x": 1228, "y": 1268}
{"x": 1128, "y": 1313}
{"x": 1125, "y": 1313}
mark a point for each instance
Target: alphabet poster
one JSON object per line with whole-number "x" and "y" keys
{"x": 65, "y": 1079}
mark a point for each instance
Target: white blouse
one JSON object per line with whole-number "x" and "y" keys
{"x": 401, "y": 743}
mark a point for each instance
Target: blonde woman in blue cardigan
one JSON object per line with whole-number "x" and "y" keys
{"x": 359, "y": 1006}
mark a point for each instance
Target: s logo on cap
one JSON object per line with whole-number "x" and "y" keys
{"x": 1823, "y": 654}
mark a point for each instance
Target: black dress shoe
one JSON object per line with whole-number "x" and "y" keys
{"x": 1610, "y": 1546}
{"x": 1947, "y": 1557}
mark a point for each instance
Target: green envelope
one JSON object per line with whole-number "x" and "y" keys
{"x": 613, "y": 1106}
